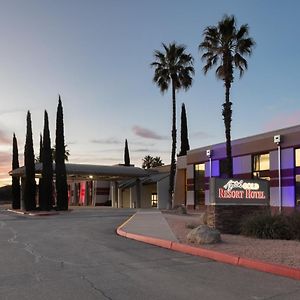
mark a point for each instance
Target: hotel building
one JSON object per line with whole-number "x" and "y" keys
{"x": 274, "y": 156}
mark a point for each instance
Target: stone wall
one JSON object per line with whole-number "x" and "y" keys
{"x": 227, "y": 218}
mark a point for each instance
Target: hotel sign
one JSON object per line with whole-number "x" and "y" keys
{"x": 239, "y": 191}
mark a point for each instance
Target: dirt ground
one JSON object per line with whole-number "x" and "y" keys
{"x": 274, "y": 251}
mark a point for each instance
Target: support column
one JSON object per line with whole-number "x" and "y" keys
{"x": 120, "y": 198}
{"x": 86, "y": 193}
{"x": 94, "y": 190}
{"x": 22, "y": 203}
{"x": 131, "y": 201}
{"x": 114, "y": 200}
{"x": 138, "y": 193}
{"x": 76, "y": 199}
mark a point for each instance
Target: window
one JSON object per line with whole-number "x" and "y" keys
{"x": 154, "y": 199}
{"x": 297, "y": 176}
{"x": 261, "y": 166}
{"x": 199, "y": 181}
{"x": 297, "y": 187}
{"x": 297, "y": 157}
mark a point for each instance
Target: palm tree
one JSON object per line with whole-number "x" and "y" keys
{"x": 228, "y": 44}
{"x": 147, "y": 162}
{"x": 173, "y": 67}
{"x": 151, "y": 162}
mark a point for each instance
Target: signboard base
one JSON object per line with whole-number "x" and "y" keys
{"x": 228, "y": 218}
{"x": 232, "y": 199}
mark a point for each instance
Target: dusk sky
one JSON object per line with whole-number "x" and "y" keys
{"x": 97, "y": 55}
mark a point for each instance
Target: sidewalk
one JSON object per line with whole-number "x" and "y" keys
{"x": 150, "y": 226}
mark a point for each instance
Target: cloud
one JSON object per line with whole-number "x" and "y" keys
{"x": 141, "y": 150}
{"x": 283, "y": 120}
{"x": 5, "y": 167}
{"x": 140, "y": 143}
{"x": 201, "y": 135}
{"x": 12, "y": 111}
{"x": 4, "y": 139}
{"x": 147, "y": 133}
{"x": 149, "y": 151}
{"x": 109, "y": 141}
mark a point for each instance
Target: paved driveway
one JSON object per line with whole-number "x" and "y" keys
{"x": 78, "y": 256}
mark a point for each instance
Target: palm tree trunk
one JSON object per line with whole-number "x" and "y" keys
{"x": 173, "y": 163}
{"x": 227, "y": 113}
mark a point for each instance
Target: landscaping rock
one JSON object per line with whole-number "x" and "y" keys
{"x": 203, "y": 218}
{"x": 204, "y": 235}
{"x": 180, "y": 209}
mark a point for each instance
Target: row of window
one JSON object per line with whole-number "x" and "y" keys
{"x": 260, "y": 169}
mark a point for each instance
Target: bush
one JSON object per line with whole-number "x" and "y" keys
{"x": 266, "y": 226}
{"x": 294, "y": 221}
{"x": 180, "y": 209}
{"x": 191, "y": 225}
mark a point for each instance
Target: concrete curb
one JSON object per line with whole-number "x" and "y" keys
{"x": 20, "y": 212}
{"x": 214, "y": 255}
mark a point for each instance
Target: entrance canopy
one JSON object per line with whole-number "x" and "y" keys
{"x": 90, "y": 172}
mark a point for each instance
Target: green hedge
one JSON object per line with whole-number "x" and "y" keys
{"x": 267, "y": 226}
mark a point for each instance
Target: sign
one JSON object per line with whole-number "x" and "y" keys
{"x": 239, "y": 191}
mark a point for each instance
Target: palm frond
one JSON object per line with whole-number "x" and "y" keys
{"x": 173, "y": 64}
{"x": 226, "y": 42}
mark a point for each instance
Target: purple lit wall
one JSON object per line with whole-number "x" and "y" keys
{"x": 215, "y": 168}
{"x": 287, "y": 178}
{"x": 242, "y": 166}
{"x": 190, "y": 176}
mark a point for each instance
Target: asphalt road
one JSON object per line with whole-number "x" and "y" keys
{"x": 77, "y": 255}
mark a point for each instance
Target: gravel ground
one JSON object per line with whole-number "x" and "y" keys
{"x": 274, "y": 251}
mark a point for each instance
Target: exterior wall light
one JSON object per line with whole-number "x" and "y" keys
{"x": 277, "y": 141}
{"x": 209, "y": 155}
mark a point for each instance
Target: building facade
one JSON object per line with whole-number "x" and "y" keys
{"x": 274, "y": 156}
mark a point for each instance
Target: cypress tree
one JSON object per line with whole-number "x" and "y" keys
{"x": 47, "y": 172}
{"x": 29, "y": 184}
{"x": 15, "y": 180}
{"x": 184, "y": 133}
{"x": 126, "y": 155}
{"x": 40, "y": 160}
{"x": 60, "y": 167}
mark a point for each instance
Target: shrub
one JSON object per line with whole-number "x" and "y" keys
{"x": 180, "y": 209}
{"x": 191, "y": 225}
{"x": 294, "y": 221}
{"x": 266, "y": 226}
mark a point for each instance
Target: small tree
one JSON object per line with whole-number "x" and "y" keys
{"x": 67, "y": 153}
{"x": 184, "y": 133}
{"x": 29, "y": 186}
{"x": 47, "y": 172}
{"x": 157, "y": 162}
{"x": 126, "y": 155}
{"x": 15, "y": 180}
{"x": 60, "y": 167}
{"x": 151, "y": 162}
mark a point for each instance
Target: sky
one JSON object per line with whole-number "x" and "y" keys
{"x": 97, "y": 53}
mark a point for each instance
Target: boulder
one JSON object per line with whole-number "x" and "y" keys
{"x": 180, "y": 209}
{"x": 204, "y": 235}
{"x": 203, "y": 218}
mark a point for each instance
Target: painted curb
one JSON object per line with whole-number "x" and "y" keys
{"x": 214, "y": 255}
